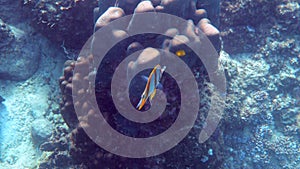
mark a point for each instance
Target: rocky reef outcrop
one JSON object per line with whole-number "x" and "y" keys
{"x": 41, "y": 130}
{"x": 18, "y": 52}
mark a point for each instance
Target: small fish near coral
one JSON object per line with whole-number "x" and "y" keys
{"x": 151, "y": 86}
{"x": 180, "y": 53}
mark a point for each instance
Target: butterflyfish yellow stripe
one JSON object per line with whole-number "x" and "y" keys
{"x": 150, "y": 88}
{"x": 153, "y": 94}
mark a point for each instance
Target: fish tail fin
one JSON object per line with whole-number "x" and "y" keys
{"x": 141, "y": 104}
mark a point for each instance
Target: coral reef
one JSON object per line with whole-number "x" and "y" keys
{"x": 263, "y": 109}
{"x": 69, "y": 22}
{"x": 261, "y": 122}
{"x": 83, "y": 150}
{"x": 6, "y": 34}
{"x": 245, "y": 25}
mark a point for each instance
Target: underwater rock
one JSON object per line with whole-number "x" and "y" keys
{"x": 41, "y": 130}
{"x": 19, "y": 53}
{"x": 1, "y": 99}
{"x": 61, "y": 21}
{"x": 6, "y": 35}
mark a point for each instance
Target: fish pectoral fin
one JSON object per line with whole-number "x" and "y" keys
{"x": 145, "y": 78}
{"x": 153, "y": 94}
{"x": 159, "y": 86}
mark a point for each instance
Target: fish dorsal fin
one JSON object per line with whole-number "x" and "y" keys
{"x": 145, "y": 78}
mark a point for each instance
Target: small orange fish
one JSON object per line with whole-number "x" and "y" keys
{"x": 180, "y": 53}
{"x": 152, "y": 84}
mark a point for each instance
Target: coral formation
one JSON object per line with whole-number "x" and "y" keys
{"x": 62, "y": 21}
{"x": 263, "y": 118}
{"x": 83, "y": 150}
{"x": 67, "y": 107}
